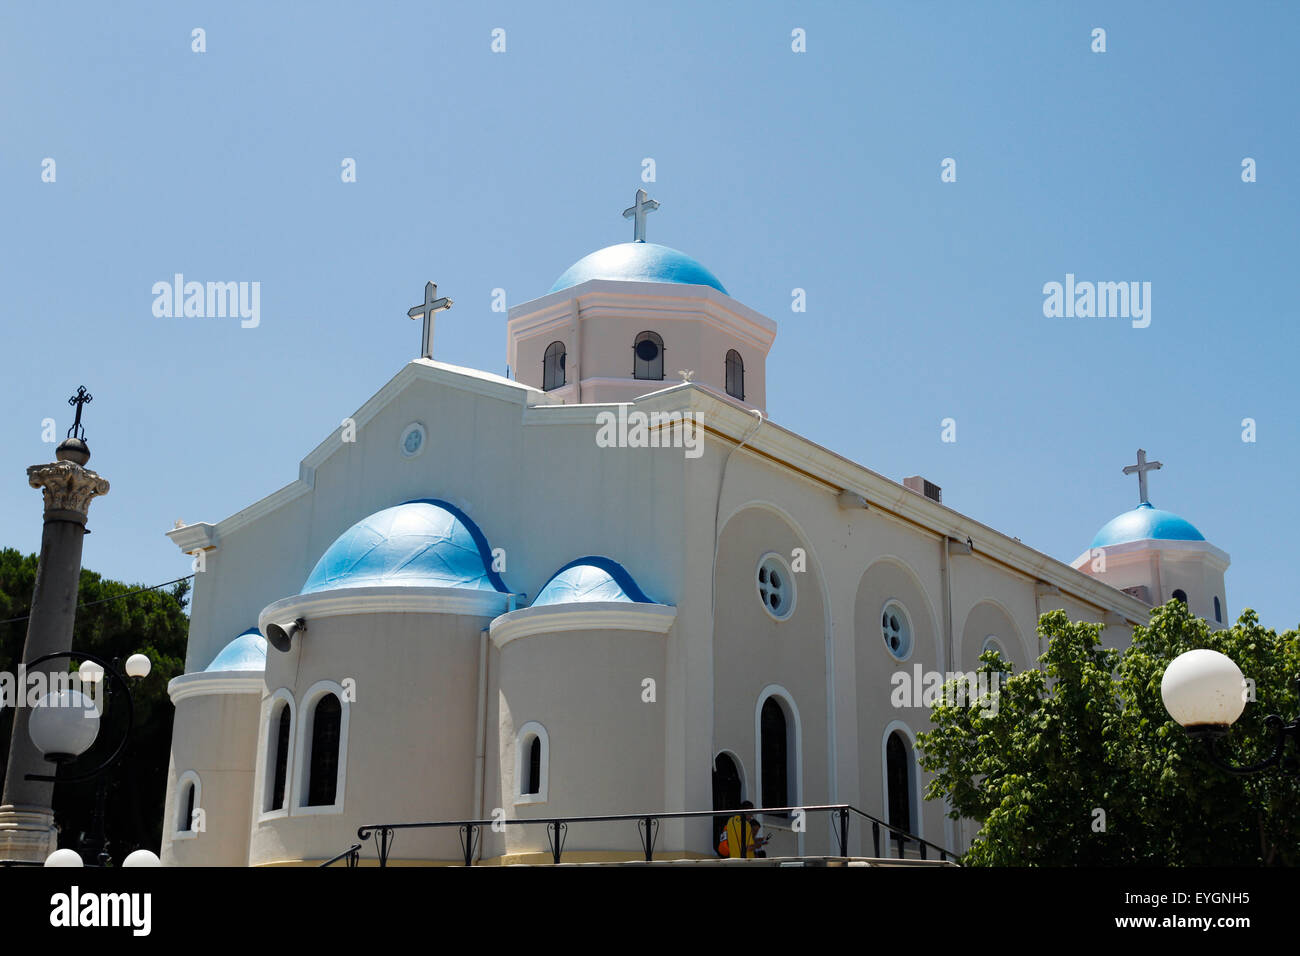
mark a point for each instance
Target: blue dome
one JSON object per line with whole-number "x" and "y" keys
{"x": 640, "y": 262}
{"x": 425, "y": 543}
{"x": 1145, "y": 522}
{"x": 247, "y": 652}
{"x": 591, "y": 578}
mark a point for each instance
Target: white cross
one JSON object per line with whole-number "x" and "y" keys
{"x": 644, "y": 204}
{"x": 1142, "y": 467}
{"x": 431, "y": 305}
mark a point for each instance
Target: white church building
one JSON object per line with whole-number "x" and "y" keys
{"x": 601, "y": 586}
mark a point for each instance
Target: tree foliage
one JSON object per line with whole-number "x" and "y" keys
{"x": 113, "y": 627}
{"x": 1088, "y": 732}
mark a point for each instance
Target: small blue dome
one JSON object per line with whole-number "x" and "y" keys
{"x": 247, "y": 652}
{"x": 425, "y": 543}
{"x": 1145, "y": 522}
{"x": 639, "y": 262}
{"x": 592, "y": 578}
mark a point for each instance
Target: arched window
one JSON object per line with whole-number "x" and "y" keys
{"x": 189, "y": 793}
{"x": 648, "y": 356}
{"x": 735, "y": 375}
{"x": 553, "y": 366}
{"x": 533, "y": 776}
{"x": 776, "y": 756}
{"x": 323, "y": 769}
{"x": 991, "y": 643}
{"x": 728, "y": 788}
{"x": 279, "y": 739}
{"x": 532, "y": 763}
{"x": 1218, "y": 610}
{"x": 1180, "y": 595}
{"x": 899, "y": 780}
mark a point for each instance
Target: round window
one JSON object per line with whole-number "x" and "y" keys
{"x": 647, "y": 350}
{"x": 775, "y": 586}
{"x": 412, "y": 441}
{"x": 896, "y": 629}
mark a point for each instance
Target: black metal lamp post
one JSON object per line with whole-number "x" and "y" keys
{"x": 1204, "y": 691}
{"x": 65, "y": 723}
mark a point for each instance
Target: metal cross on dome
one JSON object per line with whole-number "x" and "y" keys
{"x": 1142, "y": 467}
{"x": 637, "y": 212}
{"x": 428, "y": 308}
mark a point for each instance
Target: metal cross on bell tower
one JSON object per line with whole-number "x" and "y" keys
{"x": 1142, "y": 467}
{"x": 637, "y": 212}
{"x": 428, "y": 308}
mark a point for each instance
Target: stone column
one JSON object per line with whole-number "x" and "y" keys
{"x": 26, "y": 808}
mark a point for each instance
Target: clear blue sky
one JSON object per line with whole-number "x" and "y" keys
{"x": 777, "y": 170}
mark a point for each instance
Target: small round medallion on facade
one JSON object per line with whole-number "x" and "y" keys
{"x": 412, "y": 440}
{"x": 775, "y": 586}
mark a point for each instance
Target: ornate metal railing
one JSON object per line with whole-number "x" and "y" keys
{"x": 557, "y": 828}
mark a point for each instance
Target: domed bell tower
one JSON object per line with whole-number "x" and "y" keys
{"x": 635, "y": 318}
{"x": 1157, "y": 556}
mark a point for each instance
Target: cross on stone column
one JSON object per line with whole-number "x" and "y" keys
{"x": 428, "y": 308}
{"x": 637, "y": 211}
{"x": 1142, "y": 467}
{"x": 81, "y": 399}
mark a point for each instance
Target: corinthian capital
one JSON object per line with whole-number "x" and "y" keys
{"x": 66, "y": 485}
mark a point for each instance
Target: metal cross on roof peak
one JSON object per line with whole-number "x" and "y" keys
{"x": 428, "y": 308}
{"x": 1142, "y": 467}
{"x": 637, "y": 212}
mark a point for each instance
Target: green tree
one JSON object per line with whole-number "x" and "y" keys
{"x": 1088, "y": 732}
{"x": 113, "y": 624}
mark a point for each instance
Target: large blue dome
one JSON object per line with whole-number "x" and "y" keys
{"x": 424, "y": 543}
{"x": 639, "y": 262}
{"x": 592, "y": 578}
{"x": 247, "y": 652}
{"x": 1145, "y": 522}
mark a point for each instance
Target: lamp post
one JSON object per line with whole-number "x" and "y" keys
{"x": 1203, "y": 692}
{"x": 65, "y": 723}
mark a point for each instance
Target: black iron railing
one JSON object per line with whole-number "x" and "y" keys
{"x": 557, "y": 828}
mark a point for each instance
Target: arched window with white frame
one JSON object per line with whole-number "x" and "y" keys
{"x": 320, "y": 749}
{"x": 189, "y": 798}
{"x": 901, "y": 781}
{"x": 279, "y": 753}
{"x": 532, "y": 763}
{"x": 779, "y": 761}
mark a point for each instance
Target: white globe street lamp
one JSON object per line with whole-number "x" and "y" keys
{"x": 137, "y": 665}
{"x": 142, "y": 858}
{"x": 63, "y": 725}
{"x": 64, "y": 857}
{"x": 1205, "y": 692}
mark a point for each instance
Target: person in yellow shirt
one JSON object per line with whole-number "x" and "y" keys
{"x": 740, "y": 832}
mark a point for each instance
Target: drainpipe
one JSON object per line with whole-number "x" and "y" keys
{"x": 947, "y": 602}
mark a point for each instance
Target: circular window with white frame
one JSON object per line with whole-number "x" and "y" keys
{"x": 896, "y": 629}
{"x": 775, "y": 586}
{"x": 412, "y": 440}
